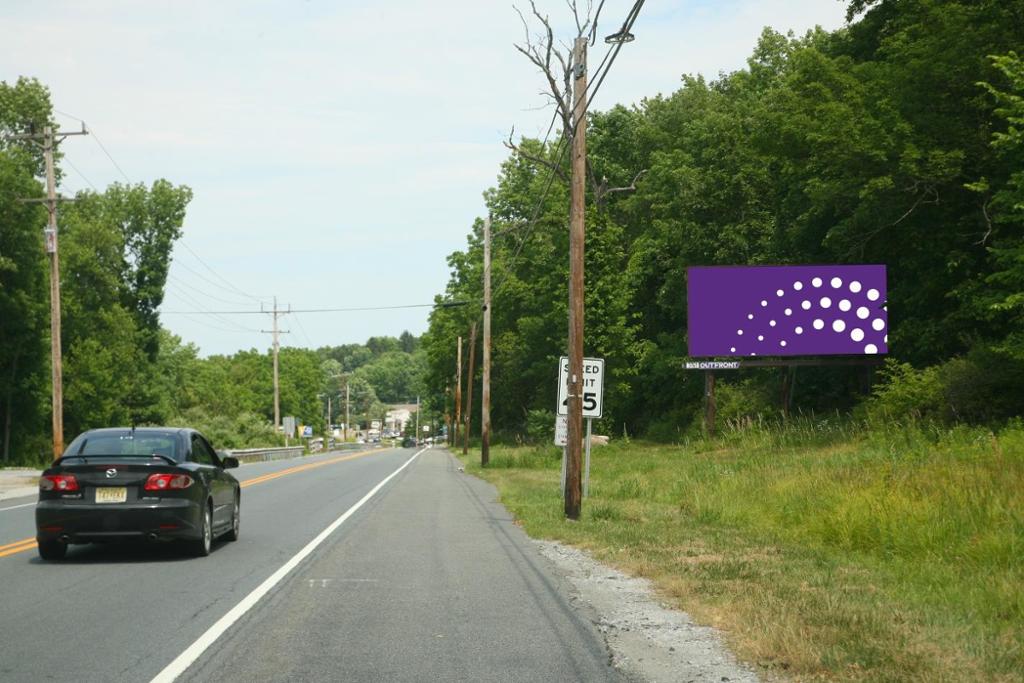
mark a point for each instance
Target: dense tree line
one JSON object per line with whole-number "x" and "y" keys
{"x": 115, "y": 251}
{"x": 894, "y": 140}
{"x": 231, "y": 396}
{"x": 120, "y": 367}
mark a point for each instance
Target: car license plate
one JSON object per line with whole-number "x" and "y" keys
{"x": 111, "y": 494}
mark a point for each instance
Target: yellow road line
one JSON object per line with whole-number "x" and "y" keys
{"x": 17, "y": 547}
{"x": 302, "y": 468}
{"x": 30, "y": 543}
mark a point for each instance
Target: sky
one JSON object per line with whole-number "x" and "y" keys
{"x": 338, "y": 151}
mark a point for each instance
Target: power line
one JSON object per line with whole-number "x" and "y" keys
{"x": 98, "y": 142}
{"x": 231, "y": 287}
{"x": 81, "y": 175}
{"x": 204, "y": 293}
{"x": 303, "y": 330}
{"x": 624, "y": 31}
{"x": 446, "y": 304}
{"x": 191, "y": 299}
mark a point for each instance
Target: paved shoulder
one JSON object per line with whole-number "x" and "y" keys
{"x": 431, "y": 581}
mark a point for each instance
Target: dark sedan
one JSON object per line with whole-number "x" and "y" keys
{"x": 152, "y": 483}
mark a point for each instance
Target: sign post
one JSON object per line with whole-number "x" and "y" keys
{"x": 561, "y": 439}
{"x": 593, "y": 406}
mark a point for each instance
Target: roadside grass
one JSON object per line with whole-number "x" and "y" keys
{"x": 824, "y": 552}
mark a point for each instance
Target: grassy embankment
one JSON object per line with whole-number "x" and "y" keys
{"x": 823, "y": 550}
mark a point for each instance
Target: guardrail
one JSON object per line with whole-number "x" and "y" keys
{"x": 264, "y": 454}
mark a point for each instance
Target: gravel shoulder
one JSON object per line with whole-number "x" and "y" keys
{"x": 648, "y": 642}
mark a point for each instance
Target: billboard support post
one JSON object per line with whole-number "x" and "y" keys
{"x": 709, "y": 398}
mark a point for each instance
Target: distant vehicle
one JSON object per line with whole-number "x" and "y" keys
{"x": 408, "y": 442}
{"x": 154, "y": 483}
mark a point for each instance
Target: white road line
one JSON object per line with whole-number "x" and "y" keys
{"x": 15, "y": 507}
{"x": 196, "y": 649}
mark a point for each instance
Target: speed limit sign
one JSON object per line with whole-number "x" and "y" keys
{"x": 592, "y": 383}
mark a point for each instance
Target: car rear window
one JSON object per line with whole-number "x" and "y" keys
{"x": 128, "y": 444}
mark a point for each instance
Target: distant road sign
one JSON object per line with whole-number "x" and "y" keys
{"x": 289, "y": 425}
{"x": 307, "y": 430}
{"x": 593, "y": 386}
{"x": 561, "y": 430}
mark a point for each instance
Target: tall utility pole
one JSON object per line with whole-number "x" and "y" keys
{"x": 574, "y": 445}
{"x": 469, "y": 389}
{"x": 485, "y": 408}
{"x": 56, "y": 359}
{"x": 276, "y": 313}
{"x": 417, "y": 420}
{"x": 346, "y": 409}
{"x": 458, "y": 393}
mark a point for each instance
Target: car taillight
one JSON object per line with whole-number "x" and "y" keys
{"x": 58, "y": 482}
{"x": 165, "y": 482}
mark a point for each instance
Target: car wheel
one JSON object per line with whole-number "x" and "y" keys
{"x": 236, "y": 521}
{"x": 52, "y": 550}
{"x": 201, "y": 546}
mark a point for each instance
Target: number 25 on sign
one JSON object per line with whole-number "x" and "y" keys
{"x": 593, "y": 386}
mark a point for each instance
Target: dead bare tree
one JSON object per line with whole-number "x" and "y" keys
{"x": 555, "y": 62}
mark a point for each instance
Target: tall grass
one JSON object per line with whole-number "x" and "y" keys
{"x": 827, "y": 547}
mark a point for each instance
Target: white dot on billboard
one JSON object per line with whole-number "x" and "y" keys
{"x": 750, "y": 316}
{"x": 799, "y": 330}
{"x": 760, "y": 337}
{"x": 764, "y": 302}
{"x": 825, "y": 302}
{"x": 739, "y": 332}
{"x": 782, "y": 343}
{"x": 854, "y": 286}
{"x": 732, "y": 350}
{"x": 788, "y": 311}
{"x": 819, "y": 324}
{"x": 878, "y": 324}
{"x": 845, "y": 305}
{"x": 806, "y": 305}
{"x": 870, "y": 349}
{"x": 863, "y": 313}
{"x": 798, "y": 285}
{"x": 857, "y": 334}
{"x": 772, "y": 323}
{"x": 873, "y": 294}
{"x": 816, "y": 282}
{"x": 779, "y": 292}
{"x": 836, "y": 283}
{"x": 838, "y": 325}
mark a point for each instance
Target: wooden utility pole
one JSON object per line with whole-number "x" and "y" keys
{"x": 485, "y": 407}
{"x": 458, "y": 393}
{"x": 277, "y": 347}
{"x": 346, "y": 410}
{"x": 57, "y": 363}
{"x": 574, "y": 445}
{"x": 469, "y": 389}
{"x": 49, "y": 143}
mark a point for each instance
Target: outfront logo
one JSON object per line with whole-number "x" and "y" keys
{"x": 111, "y": 473}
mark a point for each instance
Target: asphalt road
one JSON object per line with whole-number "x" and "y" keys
{"x": 427, "y": 579}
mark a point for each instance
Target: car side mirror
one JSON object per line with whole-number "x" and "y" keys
{"x": 229, "y": 462}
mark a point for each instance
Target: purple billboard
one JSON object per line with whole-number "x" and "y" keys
{"x": 787, "y": 311}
